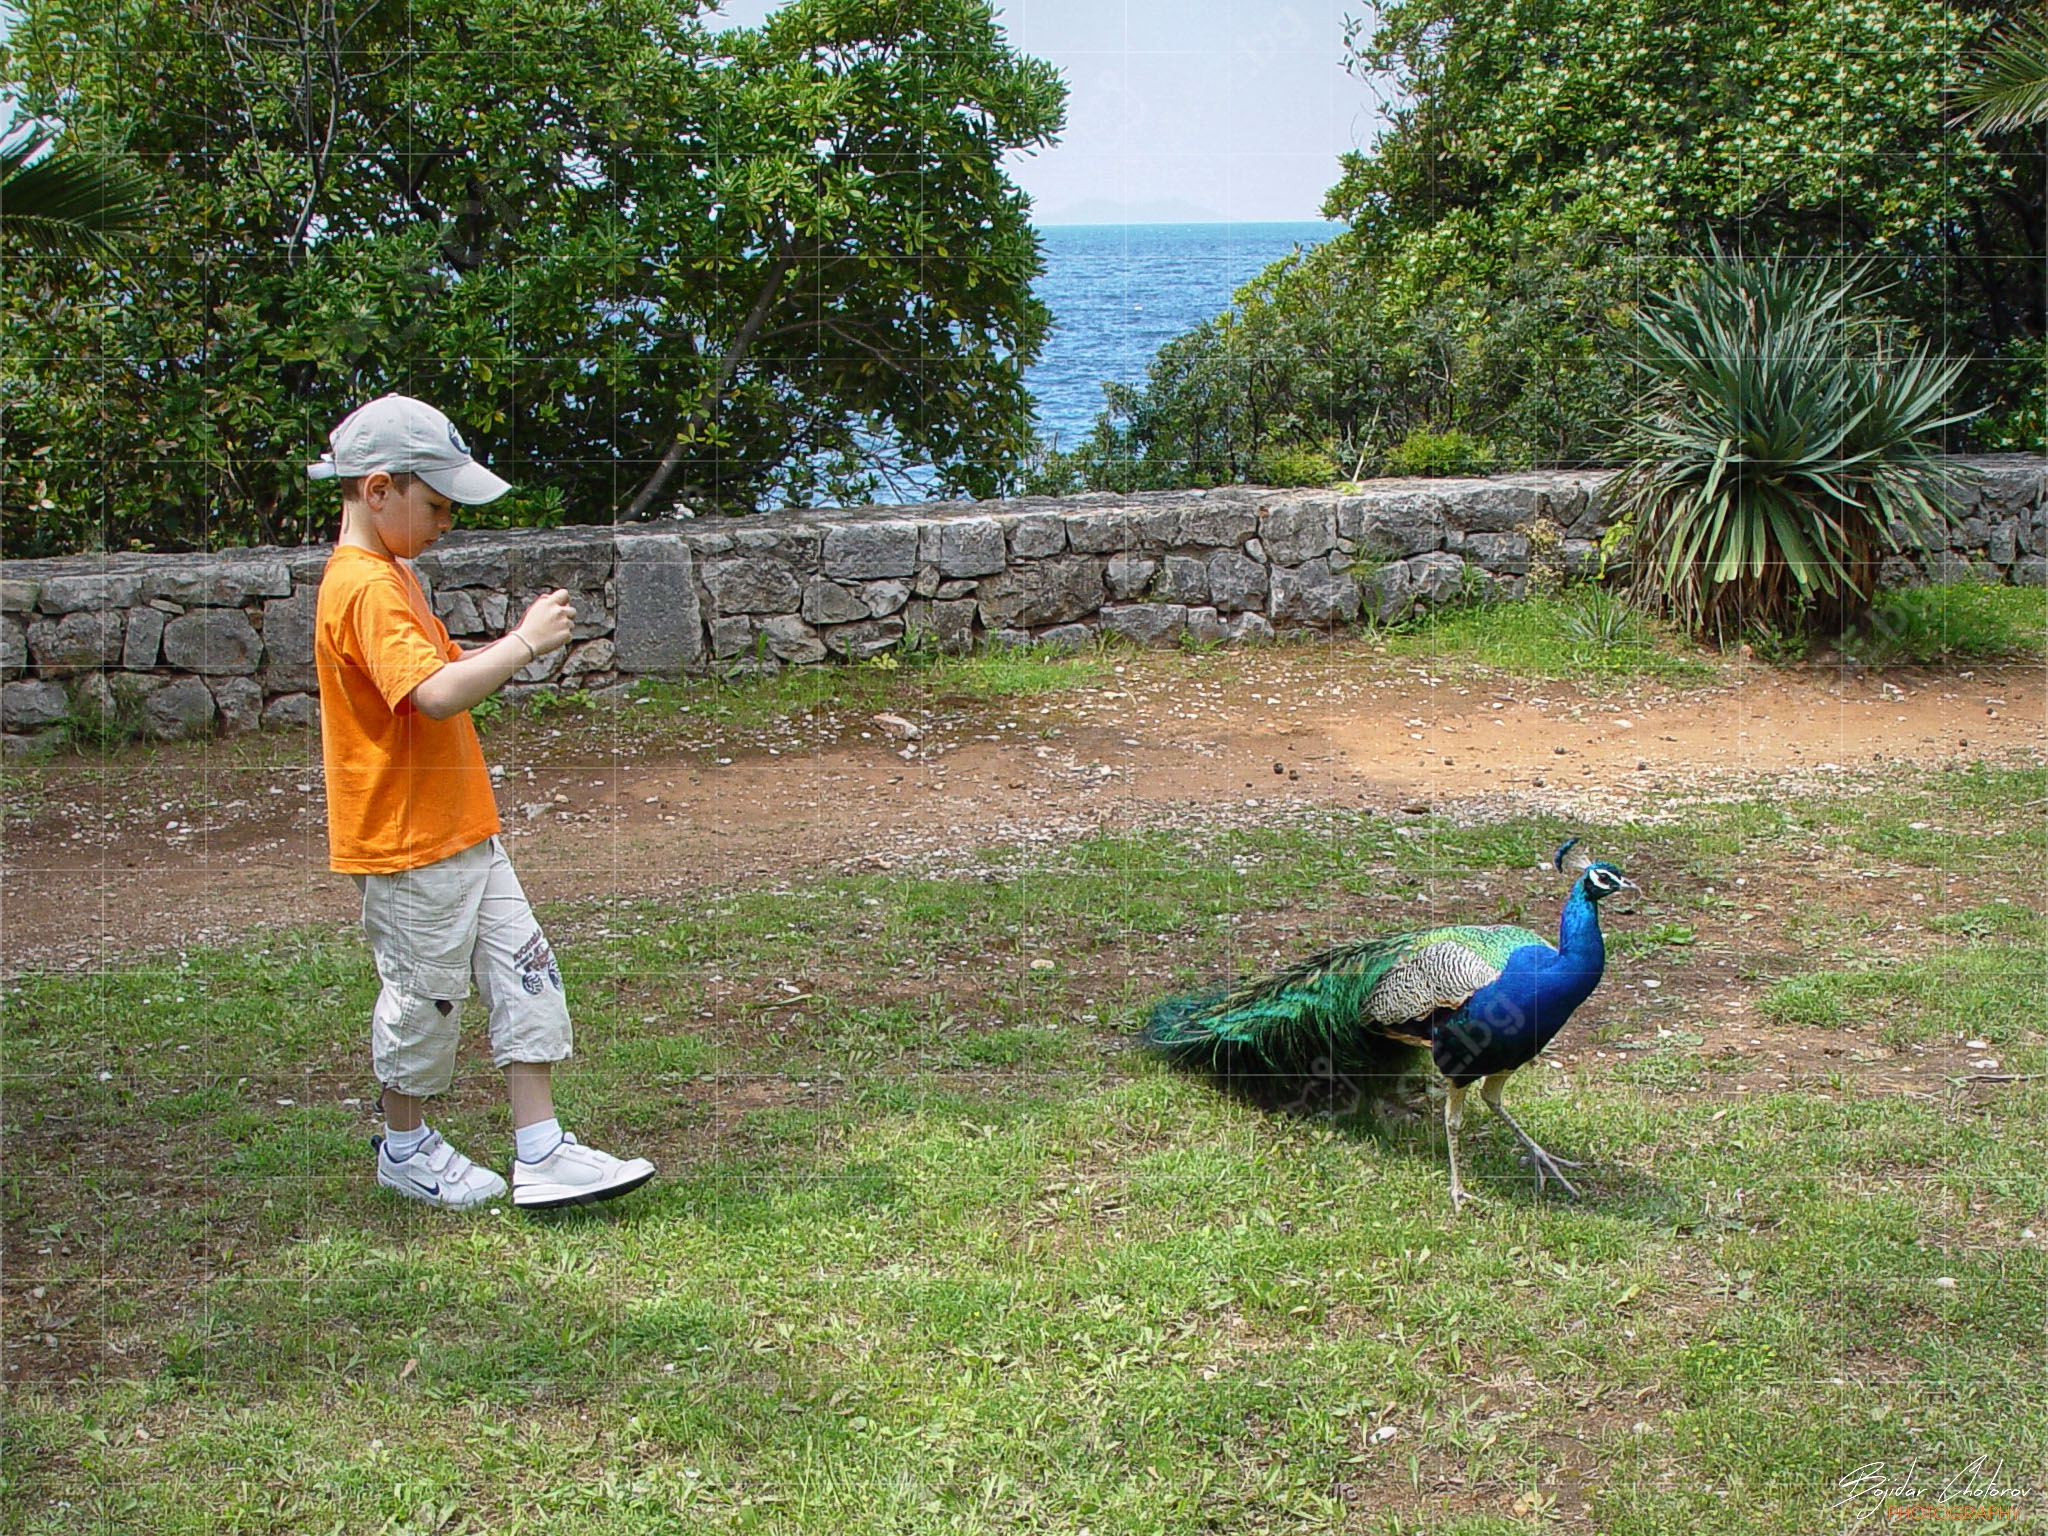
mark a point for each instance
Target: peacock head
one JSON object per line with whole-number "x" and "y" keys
{"x": 1595, "y": 878}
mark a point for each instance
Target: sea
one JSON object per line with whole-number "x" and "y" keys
{"x": 1117, "y": 292}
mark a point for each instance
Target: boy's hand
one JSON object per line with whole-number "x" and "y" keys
{"x": 548, "y": 622}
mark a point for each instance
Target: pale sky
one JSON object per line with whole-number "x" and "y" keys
{"x": 1223, "y": 109}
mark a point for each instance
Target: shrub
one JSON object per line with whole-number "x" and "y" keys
{"x": 1295, "y": 464}
{"x": 1445, "y": 453}
{"x": 1788, "y": 446}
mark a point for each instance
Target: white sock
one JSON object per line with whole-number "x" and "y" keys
{"x": 537, "y": 1140}
{"x": 399, "y": 1145}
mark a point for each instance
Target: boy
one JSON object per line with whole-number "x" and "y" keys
{"x": 411, "y": 815}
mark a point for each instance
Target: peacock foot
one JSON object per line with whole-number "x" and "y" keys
{"x": 1551, "y": 1167}
{"x": 1462, "y": 1197}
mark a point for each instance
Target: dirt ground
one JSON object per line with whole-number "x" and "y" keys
{"x": 196, "y": 844}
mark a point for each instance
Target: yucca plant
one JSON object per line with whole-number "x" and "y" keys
{"x": 2010, "y": 91}
{"x": 59, "y": 202}
{"x": 1786, "y": 448}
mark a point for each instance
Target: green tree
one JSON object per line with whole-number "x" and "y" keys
{"x": 639, "y": 259}
{"x": 1548, "y": 163}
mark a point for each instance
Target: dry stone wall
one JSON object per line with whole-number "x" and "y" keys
{"x": 182, "y": 645}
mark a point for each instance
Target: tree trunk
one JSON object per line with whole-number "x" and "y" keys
{"x": 735, "y": 354}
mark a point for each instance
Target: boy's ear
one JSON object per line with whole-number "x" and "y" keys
{"x": 376, "y": 485}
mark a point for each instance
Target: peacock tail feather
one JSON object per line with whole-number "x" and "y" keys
{"x": 1358, "y": 1006}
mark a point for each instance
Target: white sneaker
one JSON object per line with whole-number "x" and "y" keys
{"x": 437, "y": 1174}
{"x": 574, "y": 1174}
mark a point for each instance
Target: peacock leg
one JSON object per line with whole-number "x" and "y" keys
{"x": 1454, "y": 1117}
{"x": 1540, "y": 1160}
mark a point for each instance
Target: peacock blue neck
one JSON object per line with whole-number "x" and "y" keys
{"x": 1578, "y": 931}
{"x": 1574, "y": 971}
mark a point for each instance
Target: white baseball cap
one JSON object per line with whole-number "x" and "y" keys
{"x": 401, "y": 435}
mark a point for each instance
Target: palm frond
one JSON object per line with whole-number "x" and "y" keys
{"x": 66, "y": 203}
{"x": 2011, "y": 88}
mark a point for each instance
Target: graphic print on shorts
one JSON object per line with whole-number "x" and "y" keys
{"x": 536, "y": 964}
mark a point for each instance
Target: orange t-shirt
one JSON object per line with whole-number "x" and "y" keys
{"x": 402, "y": 789}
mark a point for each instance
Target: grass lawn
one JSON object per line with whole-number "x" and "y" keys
{"x": 934, "y": 1250}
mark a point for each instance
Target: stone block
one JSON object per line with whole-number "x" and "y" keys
{"x": 1037, "y": 535}
{"x": 288, "y": 643}
{"x": 1129, "y": 576}
{"x": 751, "y": 586}
{"x": 457, "y": 561}
{"x": 82, "y": 638}
{"x": 2002, "y": 545}
{"x": 1435, "y": 579}
{"x": 1237, "y": 582}
{"x": 1314, "y": 594}
{"x": 1217, "y": 524}
{"x": 590, "y": 615}
{"x": 1100, "y": 533}
{"x": 591, "y": 656}
{"x": 13, "y": 648}
{"x": 495, "y": 609}
{"x": 33, "y": 744}
{"x": 17, "y": 596}
{"x": 2033, "y": 533}
{"x": 1294, "y": 532}
{"x": 1248, "y": 629}
{"x": 143, "y": 638}
{"x": 292, "y": 711}
{"x": 865, "y": 551}
{"x": 94, "y": 703}
{"x": 659, "y": 625}
{"x": 239, "y": 704}
{"x": 2031, "y": 571}
{"x": 216, "y": 583}
{"x": 926, "y": 582}
{"x": 883, "y": 598}
{"x": 544, "y": 667}
{"x": 1485, "y": 506}
{"x": 729, "y": 637}
{"x": 857, "y": 642}
{"x": 952, "y": 626}
{"x": 30, "y": 705}
{"x": 827, "y": 602}
{"x": 218, "y": 642}
{"x": 1051, "y": 591}
{"x": 1969, "y": 533}
{"x": 1205, "y": 626}
{"x": 1063, "y": 637}
{"x": 577, "y": 564}
{"x": 1158, "y": 527}
{"x": 796, "y": 546}
{"x": 971, "y": 547}
{"x": 96, "y": 593}
{"x": 2007, "y": 488}
{"x": 1146, "y": 623}
{"x": 1392, "y": 525}
{"x": 1017, "y": 639}
{"x": 182, "y": 707}
{"x": 457, "y": 609}
{"x": 952, "y": 591}
{"x": 789, "y": 638}
{"x": 1581, "y": 557}
{"x": 1182, "y": 579}
{"x": 1505, "y": 554}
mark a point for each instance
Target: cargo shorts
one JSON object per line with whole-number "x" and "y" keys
{"x": 431, "y": 931}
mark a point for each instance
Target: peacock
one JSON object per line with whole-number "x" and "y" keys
{"x": 1483, "y": 1000}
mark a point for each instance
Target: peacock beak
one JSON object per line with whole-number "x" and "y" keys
{"x": 1628, "y": 884}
